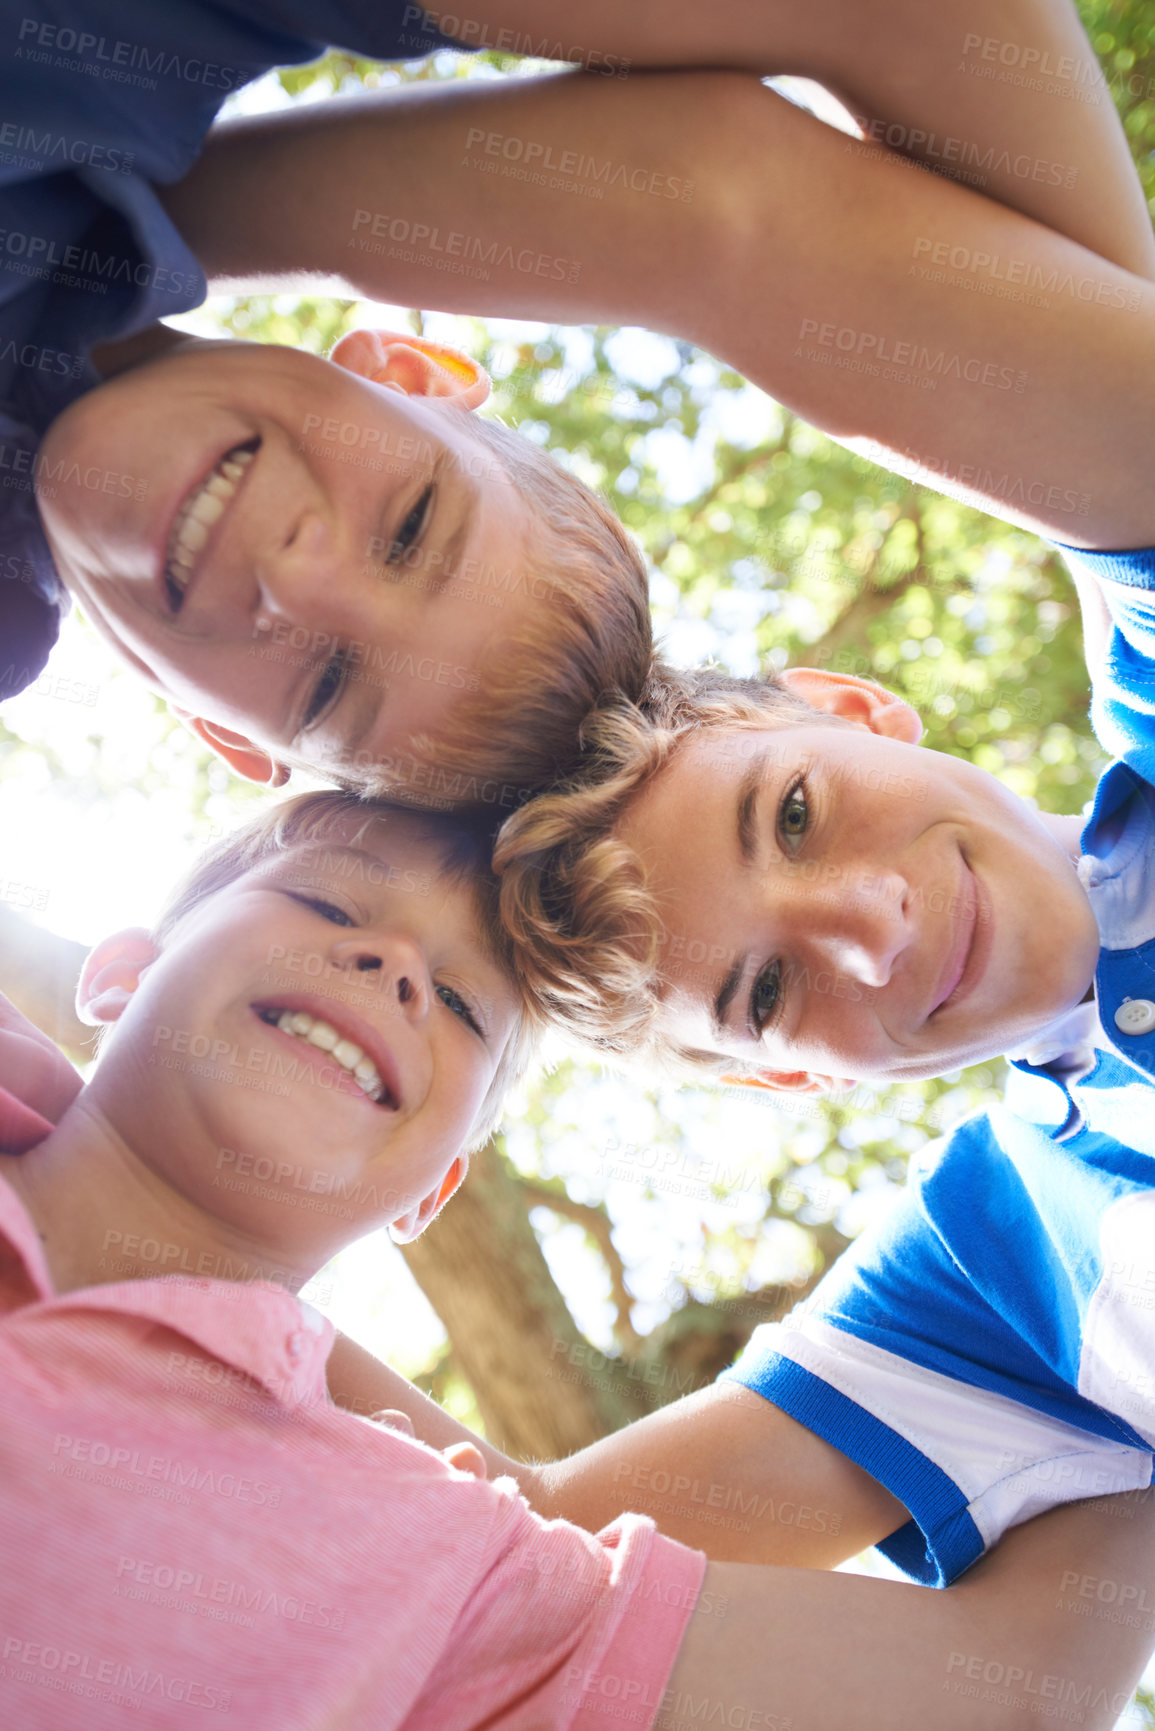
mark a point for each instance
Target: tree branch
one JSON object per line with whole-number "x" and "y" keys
{"x": 592, "y": 1215}
{"x": 871, "y": 602}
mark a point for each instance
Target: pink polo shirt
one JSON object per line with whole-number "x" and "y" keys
{"x": 191, "y": 1534}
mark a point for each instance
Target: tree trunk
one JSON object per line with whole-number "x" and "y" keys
{"x": 542, "y": 1389}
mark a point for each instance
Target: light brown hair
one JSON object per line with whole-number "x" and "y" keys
{"x": 590, "y": 636}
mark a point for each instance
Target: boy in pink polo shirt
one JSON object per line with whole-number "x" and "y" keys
{"x": 318, "y": 1030}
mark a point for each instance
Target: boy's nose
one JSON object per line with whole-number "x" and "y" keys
{"x": 394, "y": 967}
{"x": 860, "y": 924}
{"x": 303, "y": 580}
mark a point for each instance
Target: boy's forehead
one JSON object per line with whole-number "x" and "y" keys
{"x": 352, "y": 845}
{"x": 737, "y": 747}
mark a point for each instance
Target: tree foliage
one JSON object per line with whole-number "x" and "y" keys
{"x": 769, "y": 545}
{"x": 604, "y": 1252}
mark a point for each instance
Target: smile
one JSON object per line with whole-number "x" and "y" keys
{"x": 345, "y": 1052}
{"x": 969, "y": 957}
{"x": 200, "y": 510}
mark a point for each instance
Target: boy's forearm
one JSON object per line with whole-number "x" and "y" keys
{"x": 949, "y": 337}
{"x": 1004, "y": 1646}
{"x": 1004, "y": 95}
{"x": 727, "y": 1473}
{"x": 362, "y": 1384}
{"x": 722, "y": 1471}
{"x": 38, "y": 971}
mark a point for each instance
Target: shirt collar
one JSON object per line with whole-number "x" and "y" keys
{"x": 1065, "y": 1045}
{"x": 260, "y": 1328}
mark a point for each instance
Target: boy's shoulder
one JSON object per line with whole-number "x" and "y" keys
{"x": 983, "y": 1351}
{"x": 188, "y": 1419}
{"x": 1117, "y": 594}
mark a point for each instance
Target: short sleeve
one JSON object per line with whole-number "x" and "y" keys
{"x": 564, "y": 1629}
{"x": 1123, "y": 680}
{"x": 941, "y": 1353}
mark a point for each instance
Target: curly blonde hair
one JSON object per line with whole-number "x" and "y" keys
{"x": 587, "y": 930}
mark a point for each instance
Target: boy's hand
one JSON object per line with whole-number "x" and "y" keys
{"x": 464, "y": 1457}
{"x": 37, "y": 1083}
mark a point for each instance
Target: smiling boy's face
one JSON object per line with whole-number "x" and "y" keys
{"x": 306, "y": 1056}
{"x": 852, "y": 907}
{"x": 299, "y": 550}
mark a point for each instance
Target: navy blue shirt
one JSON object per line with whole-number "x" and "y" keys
{"x": 101, "y": 101}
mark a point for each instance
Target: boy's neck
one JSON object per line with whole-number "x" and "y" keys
{"x": 103, "y": 1215}
{"x": 1066, "y": 831}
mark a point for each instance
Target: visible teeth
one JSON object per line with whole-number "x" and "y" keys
{"x": 325, "y": 1037}
{"x": 191, "y": 530}
{"x": 207, "y": 507}
{"x": 193, "y": 535}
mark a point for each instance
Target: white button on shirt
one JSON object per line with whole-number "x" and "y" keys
{"x": 1135, "y": 1016}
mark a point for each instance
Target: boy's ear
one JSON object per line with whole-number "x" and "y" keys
{"x": 251, "y": 762}
{"x": 413, "y": 1224}
{"x": 855, "y": 699}
{"x": 791, "y": 1082}
{"x": 414, "y": 366}
{"x": 111, "y": 974}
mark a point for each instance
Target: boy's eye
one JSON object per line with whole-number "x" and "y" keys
{"x": 766, "y": 996}
{"x": 455, "y": 1002}
{"x": 412, "y": 528}
{"x": 327, "y": 910}
{"x": 327, "y": 689}
{"x": 794, "y": 812}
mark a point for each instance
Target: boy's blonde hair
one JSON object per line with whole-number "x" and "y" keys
{"x": 587, "y": 931}
{"x": 463, "y": 857}
{"x": 590, "y": 636}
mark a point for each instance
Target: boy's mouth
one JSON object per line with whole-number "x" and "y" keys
{"x": 199, "y": 511}
{"x": 966, "y": 966}
{"x": 345, "y": 1053}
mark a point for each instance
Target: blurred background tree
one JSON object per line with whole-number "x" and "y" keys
{"x": 589, "y": 1273}
{"x": 616, "y": 1245}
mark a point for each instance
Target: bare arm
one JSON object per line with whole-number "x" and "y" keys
{"x": 840, "y": 284}
{"x": 728, "y": 1473}
{"x": 723, "y": 1471}
{"x": 38, "y": 971}
{"x": 1044, "y": 138}
{"x": 1012, "y": 1645}
{"x": 924, "y": 82}
{"x": 364, "y": 1385}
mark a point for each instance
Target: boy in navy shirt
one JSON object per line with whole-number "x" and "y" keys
{"x": 748, "y": 261}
